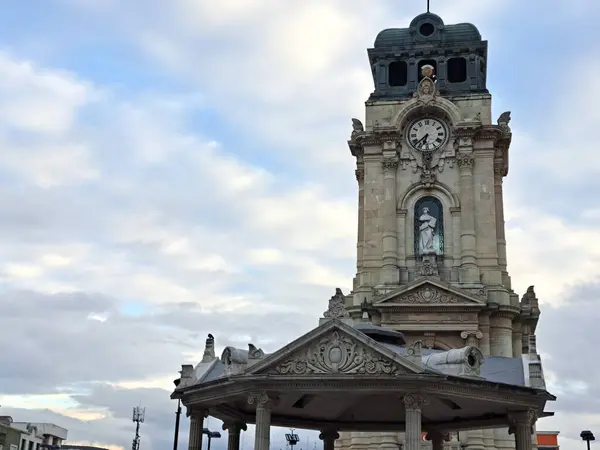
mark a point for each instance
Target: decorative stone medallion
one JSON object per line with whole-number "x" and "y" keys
{"x": 337, "y": 353}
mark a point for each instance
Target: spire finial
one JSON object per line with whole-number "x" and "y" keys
{"x": 427, "y": 5}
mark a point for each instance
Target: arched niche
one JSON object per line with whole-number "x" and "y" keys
{"x": 407, "y": 208}
{"x": 438, "y": 106}
{"x": 428, "y": 222}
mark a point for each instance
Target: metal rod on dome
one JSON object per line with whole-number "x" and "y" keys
{"x": 427, "y": 5}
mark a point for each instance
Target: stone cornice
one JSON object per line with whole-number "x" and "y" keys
{"x": 211, "y": 394}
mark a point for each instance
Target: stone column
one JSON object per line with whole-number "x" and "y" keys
{"x": 437, "y": 439}
{"x": 389, "y": 271}
{"x": 360, "y": 178}
{"x": 233, "y": 434}
{"x": 196, "y": 427}
{"x": 522, "y": 427}
{"x": 329, "y": 437}
{"x": 501, "y": 339}
{"x": 468, "y": 257}
{"x": 499, "y": 173}
{"x": 262, "y": 433}
{"x": 484, "y": 327}
{"x": 471, "y": 337}
{"x": 413, "y": 404}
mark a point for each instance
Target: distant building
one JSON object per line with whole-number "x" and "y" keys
{"x": 547, "y": 440}
{"x": 80, "y": 447}
{"x": 39, "y": 436}
{"x": 9, "y": 437}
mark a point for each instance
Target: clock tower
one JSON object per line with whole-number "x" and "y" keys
{"x": 430, "y": 166}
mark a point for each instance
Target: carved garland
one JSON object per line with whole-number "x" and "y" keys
{"x": 338, "y": 354}
{"x": 465, "y": 161}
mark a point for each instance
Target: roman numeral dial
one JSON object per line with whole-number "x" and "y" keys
{"x": 427, "y": 134}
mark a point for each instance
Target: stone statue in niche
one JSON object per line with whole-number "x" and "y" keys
{"x": 429, "y": 227}
{"x": 426, "y": 232}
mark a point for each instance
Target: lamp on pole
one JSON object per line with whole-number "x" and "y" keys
{"x": 210, "y": 435}
{"x": 587, "y": 436}
{"x": 177, "y": 415}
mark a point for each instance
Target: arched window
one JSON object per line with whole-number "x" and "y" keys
{"x": 429, "y": 227}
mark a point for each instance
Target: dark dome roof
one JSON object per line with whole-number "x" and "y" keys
{"x": 380, "y": 334}
{"x": 401, "y": 37}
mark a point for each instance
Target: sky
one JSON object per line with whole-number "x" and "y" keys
{"x": 173, "y": 169}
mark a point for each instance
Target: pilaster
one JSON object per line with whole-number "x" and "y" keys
{"x": 413, "y": 405}
{"x": 469, "y": 272}
{"x": 389, "y": 272}
{"x": 499, "y": 172}
{"x": 360, "y": 178}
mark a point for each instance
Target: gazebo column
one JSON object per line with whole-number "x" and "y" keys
{"x": 413, "y": 404}
{"x": 196, "y": 427}
{"x": 233, "y": 434}
{"x": 262, "y": 433}
{"x": 437, "y": 439}
{"x": 522, "y": 427}
{"x": 329, "y": 437}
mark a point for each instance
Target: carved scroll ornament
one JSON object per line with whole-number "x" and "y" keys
{"x": 425, "y": 295}
{"x": 337, "y": 353}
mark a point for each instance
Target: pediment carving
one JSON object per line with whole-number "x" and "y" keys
{"x": 429, "y": 293}
{"x": 337, "y": 353}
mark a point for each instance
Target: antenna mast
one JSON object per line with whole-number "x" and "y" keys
{"x": 138, "y": 418}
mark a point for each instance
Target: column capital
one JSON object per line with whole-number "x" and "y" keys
{"x": 465, "y": 161}
{"x": 234, "y": 426}
{"x": 522, "y": 419}
{"x": 329, "y": 435}
{"x": 196, "y": 413}
{"x": 263, "y": 399}
{"x": 389, "y": 163}
{"x": 465, "y": 334}
{"x": 413, "y": 401}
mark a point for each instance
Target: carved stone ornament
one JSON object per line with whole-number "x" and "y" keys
{"x": 357, "y": 127}
{"x": 360, "y": 174}
{"x": 504, "y": 120}
{"x": 415, "y": 401}
{"x": 261, "y": 399}
{"x": 465, "y": 161}
{"x": 499, "y": 169}
{"x": 337, "y": 308}
{"x": 389, "y": 163}
{"x": 522, "y": 418}
{"x": 338, "y": 353}
{"x": 428, "y": 295}
{"x": 426, "y": 90}
{"x": 428, "y": 178}
{"x": 428, "y": 267}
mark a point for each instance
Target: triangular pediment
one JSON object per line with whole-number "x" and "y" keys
{"x": 431, "y": 292}
{"x": 335, "y": 348}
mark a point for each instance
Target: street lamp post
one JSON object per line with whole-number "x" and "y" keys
{"x": 210, "y": 435}
{"x": 587, "y": 436}
{"x": 177, "y": 415}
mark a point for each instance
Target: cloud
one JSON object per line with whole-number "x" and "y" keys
{"x": 214, "y": 192}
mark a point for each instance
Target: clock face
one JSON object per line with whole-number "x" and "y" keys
{"x": 427, "y": 134}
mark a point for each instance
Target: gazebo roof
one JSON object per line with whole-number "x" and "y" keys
{"x": 337, "y": 376}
